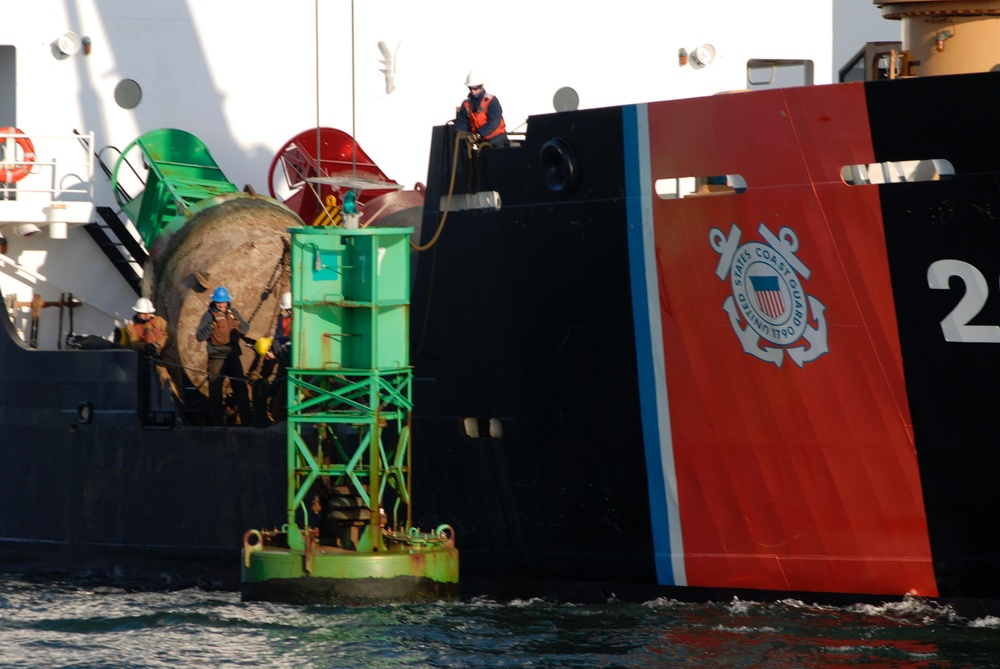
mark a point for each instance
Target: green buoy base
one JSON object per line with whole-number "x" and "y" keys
{"x": 342, "y": 577}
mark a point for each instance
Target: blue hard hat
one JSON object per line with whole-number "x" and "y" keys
{"x": 221, "y": 295}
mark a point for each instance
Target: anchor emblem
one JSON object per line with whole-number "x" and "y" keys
{"x": 769, "y": 304}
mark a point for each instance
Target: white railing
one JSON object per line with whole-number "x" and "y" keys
{"x": 59, "y": 184}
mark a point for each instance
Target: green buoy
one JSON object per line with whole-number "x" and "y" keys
{"x": 349, "y": 536}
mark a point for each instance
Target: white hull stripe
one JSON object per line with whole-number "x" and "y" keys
{"x": 663, "y": 500}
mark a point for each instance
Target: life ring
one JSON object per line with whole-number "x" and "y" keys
{"x": 16, "y": 170}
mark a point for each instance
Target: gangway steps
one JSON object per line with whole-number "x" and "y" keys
{"x": 119, "y": 245}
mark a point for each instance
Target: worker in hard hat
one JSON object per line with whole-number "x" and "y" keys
{"x": 274, "y": 356}
{"x": 222, "y": 327}
{"x": 146, "y": 331}
{"x": 281, "y": 346}
{"x": 480, "y": 114}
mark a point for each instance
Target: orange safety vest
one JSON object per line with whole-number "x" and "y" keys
{"x": 478, "y": 119}
{"x": 224, "y": 324}
{"x": 284, "y": 328}
{"x": 148, "y": 332}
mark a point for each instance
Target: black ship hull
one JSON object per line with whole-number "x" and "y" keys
{"x": 763, "y": 387}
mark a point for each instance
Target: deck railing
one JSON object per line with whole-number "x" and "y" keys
{"x": 46, "y": 179}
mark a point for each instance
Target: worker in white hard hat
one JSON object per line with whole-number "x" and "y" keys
{"x": 146, "y": 331}
{"x": 283, "y": 331}
{"x": 480, "y": 114}
{"x": 277, "y": 359}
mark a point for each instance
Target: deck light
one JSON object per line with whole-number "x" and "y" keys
{"x": 941, "y": 38}
{"x": 68, "y": 43}
{"x": 703, "y": 55}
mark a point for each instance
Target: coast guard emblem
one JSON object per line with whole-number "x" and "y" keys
{"x": 769, "y": 309}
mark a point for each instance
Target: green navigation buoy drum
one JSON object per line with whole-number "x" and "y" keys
{"x": 349, "y": 536}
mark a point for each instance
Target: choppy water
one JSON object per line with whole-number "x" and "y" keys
{"x": 66, "y": 625}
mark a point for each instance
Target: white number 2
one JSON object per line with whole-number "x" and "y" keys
{"x": 955, "y": 325}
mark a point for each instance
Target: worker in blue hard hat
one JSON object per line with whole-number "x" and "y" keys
{"x": 222, "y": 327}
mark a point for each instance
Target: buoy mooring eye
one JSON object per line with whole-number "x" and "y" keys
{"x": 558, "y": 165}
{"x": 85, "y": 412}
{"x": 253, "y": 542}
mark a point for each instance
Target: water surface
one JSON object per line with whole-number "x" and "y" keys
{"x": 61, "y": 624}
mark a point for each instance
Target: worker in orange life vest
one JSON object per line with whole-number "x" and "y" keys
{"x": 281, "y": 348}
{"x": 146, "y": 332}
{"x": 280, "y": 355}
{"x": 278, "y": 351}
{"x": 481, "y": 113}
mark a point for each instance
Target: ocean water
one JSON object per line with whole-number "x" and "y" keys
{"x": 65, "y": 625}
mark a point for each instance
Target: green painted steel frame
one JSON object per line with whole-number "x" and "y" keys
{"x": 340, "y": 283}
{"x": 182, "y": 174}
{"x": 350, "y": 368}
{"x": 325, "y": 398}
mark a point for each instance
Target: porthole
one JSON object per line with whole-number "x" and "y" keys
{"x": 128, "y": 94}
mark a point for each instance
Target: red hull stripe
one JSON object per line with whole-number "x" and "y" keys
{"x": 790, "y": 439}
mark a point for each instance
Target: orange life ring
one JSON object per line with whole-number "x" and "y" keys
{"x": 15, "y": 170}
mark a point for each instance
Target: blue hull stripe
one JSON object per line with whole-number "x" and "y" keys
{"x": 663, "y": 500}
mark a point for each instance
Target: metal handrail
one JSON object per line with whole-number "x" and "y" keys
{"x": 55, "y": 171}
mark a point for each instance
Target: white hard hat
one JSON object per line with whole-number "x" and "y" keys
{"x": 144, "y": 306}
{"x": 286, "y": 301}
{"x": 475, "y": 78}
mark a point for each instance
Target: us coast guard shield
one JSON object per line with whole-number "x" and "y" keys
{"x": 769, "y": 309}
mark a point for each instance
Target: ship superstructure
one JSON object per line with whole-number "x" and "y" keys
{"x": 246, "y": 76}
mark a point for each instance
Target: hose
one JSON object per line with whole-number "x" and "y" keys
{"x": 451, "y": 189}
